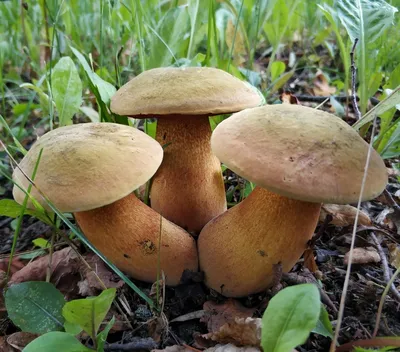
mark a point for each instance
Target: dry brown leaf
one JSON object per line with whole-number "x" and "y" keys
{"x": 309, "y": 260}
{"x": 69, "y": 274}
{"x": 16, "y": 265}
{"x": 4, "y": 346}
{"x": 20, "y": 339}
{"x": 241, "y": 332}
{"x": 363, "y": 256}
{"x": 394, "y": 255}
{"x": 321, "y": 85}
{"x": 216, "y": 315}
{"x": 343, "y": 215}
{"x": 289, "y": 98}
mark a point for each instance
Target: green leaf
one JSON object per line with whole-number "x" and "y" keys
{"x": 66, "y": 89}
{"x": 89, "y": 312}
{"x": 71, "y": 328}
{"x": 290, "y": 317}
{"x": 391, "y": 101}
{"x": 324, "y": 326}
{"x": 102, "y": 336}
{"x": 10, "y": 208}
{"x": 43, "y": 97}
{"x": 277, "y": 68}
{"x": 35, "y": 307}
{"x": 365, "y": 20}
{"x": 41, "y": 242}
{"x": 56, "y": 341}
{"x": 391, "y": 142}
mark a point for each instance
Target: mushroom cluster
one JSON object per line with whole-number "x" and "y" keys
{"x": 297, "y": 156}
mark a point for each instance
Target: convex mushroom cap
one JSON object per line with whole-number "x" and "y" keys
{"x": 298, "y": 157}
{"x": 299, "y": 152}
{"x": 91, "y": 170}
{"x": 86, "y": 166}
{"x": 188, "y": 189}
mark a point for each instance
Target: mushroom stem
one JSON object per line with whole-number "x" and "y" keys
{"x": 237, "y": 250}
{"x": 127, "y": 233}
{"x": 188, "y": 188}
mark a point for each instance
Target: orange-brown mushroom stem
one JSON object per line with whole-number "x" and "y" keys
{"x": 127, "y": 233}
{"x": 238, "y": 249}
{"x": 188, "y": 188}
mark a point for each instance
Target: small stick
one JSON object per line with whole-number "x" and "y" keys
{"x": 353, "y": 81}
{"x": 385, "y": 266}
{"x": 139, "y": 344}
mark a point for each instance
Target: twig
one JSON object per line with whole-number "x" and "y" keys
{"x": 353, "y": 238}
{"x": 138, "y": 344}
{"x": 295, "y": 279}
{"x": 339, "y": 98}
{"x": 385, "y": 266}
{"x": 353, "y": 81}
{"x": 394, "y": 203}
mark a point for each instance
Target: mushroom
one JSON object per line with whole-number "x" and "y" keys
{"x": 188, "y": 188}
{"x": 91, "y": 170}
{"x": 298, "y": 157}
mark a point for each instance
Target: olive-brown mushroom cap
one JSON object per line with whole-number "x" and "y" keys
{"x": 184, "y": 91}
{"x": 86, "y": 166}
{"x": 300, "y": 153}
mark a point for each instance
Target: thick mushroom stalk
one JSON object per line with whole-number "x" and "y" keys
{"x": 305, "y": 157}
{"x": 189, "y": 167}
{"x": 239, "y": 248}
{"x": 128, "y": 232}
{"x": 188, "y": 189}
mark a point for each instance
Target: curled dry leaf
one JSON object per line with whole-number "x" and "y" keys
{"x": 289, "y": 98}
{"x": 4, "y": 346}
{"x": 20, "y": 339}
{"x": 321, "y": 85}
{"x": 363, "y": 256}
{"x": 218, "y": 348}
{"x": 343, "y": 215}
{"x": 69, "y": 274}
{"x": 216, "y": 315}
{"x": 240, "y": 332}
{"x": 394, "y": 255}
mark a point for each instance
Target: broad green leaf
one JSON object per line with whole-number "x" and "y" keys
{"x": 365, "y": 20}
{"x": 66, "y": 89}
{"x": 324, "y": 326}
{"x": 89, "y": 312}
{"x": 281, "y": 81}
{"x": 277, "y": 68}
{"x": 102, "y": 336}
{"x": 56, "y": 341}
{"x": 71, "y": 328}
{"x": 35, "y": 307}
{"x": 10, "y": 208}
{"x": 290, "y": 317}
{"x": 391, "y": 142}
{"x": 92, "y": 114}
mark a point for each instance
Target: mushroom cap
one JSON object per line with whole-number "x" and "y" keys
{"x": 89, "y": 165}
{"x": 184, "y": 91}
{"x": 300, "y": 153}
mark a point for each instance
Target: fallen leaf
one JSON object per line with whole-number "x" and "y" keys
{"x": 321, "y": 85}
{"x": 4, "y": 346}
{"x": 309, "y": 260}
{"x": 240, "y": 332}
{"x": 394, "y": 255}
{"x": 218, "y": 348}
{"x": 16, "y": 265}
{"x": 20, "y": 339}
{"x": 216, "y": 315}
{"x": 343, "y": 215}
{"x": 363, "y": 256}
{"x": 289, "y": 98}
{"x": 69, "y": 274}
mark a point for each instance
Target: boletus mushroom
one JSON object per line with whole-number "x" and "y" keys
{"x": 188, "y": 188}
{"x": 91, "y": 170}
{"x": 298, "y": 157}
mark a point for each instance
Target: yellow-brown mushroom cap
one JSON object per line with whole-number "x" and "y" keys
{"x": 86, "y": 166}
{"x": 300, "y": 153}
{"x": 184, "y": 91}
